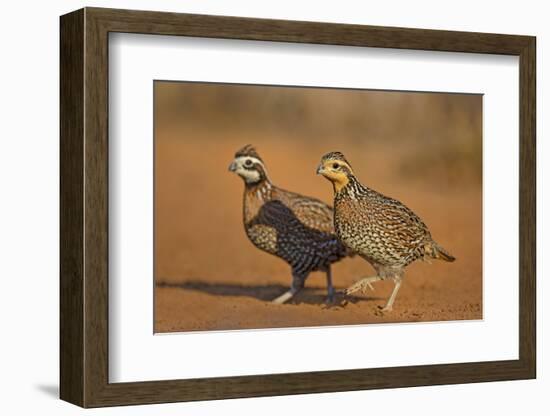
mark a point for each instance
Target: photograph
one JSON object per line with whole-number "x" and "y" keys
{"x": 292, "y": 206}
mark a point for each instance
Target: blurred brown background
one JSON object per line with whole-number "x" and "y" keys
{"x": 424, "y": 149}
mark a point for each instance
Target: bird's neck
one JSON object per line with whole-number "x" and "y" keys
{"x": 340, "y": 183}
{"x": 352, "y": 188}
{"x": 255, "y": 196}
{"x": 262, "y": 187}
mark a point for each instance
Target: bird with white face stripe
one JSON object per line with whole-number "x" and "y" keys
{"x": 295, "y": 228}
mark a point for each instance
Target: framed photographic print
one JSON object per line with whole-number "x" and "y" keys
{"x": 255, "y": 207}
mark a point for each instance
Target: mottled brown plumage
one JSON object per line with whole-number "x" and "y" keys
{"x": 296, "y": 228}
{"x": 380, "y": 229}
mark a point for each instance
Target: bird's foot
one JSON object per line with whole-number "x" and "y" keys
{"x": 330, "y": 301}
{"x": 283, "y": 298}
{"x": 362, "y": 285}
{"x": 387, "y": 308}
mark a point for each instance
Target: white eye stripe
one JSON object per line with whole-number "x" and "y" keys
{"x": 245, "y": 171}
{"x": 243, "y": 159}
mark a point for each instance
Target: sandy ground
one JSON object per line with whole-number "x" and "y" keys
{"x": 210, "y": 277}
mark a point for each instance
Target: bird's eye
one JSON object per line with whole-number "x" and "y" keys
{"x": 248, "y": 162}
{"x": 335, "y": 165}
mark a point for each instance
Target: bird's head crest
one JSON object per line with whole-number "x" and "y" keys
{"x": 248, "y": 150}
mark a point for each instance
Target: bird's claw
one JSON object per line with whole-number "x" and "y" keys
{"x": 385, "y": 308}
{"x": 361, "y": 285}
{"x": 369, "y": 285}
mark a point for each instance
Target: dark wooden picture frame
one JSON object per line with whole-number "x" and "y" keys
{"x": 84, "y": 207}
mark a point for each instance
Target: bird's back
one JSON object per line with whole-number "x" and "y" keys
{"x": 380, "y": 228}
{"x": 311, "y": 212}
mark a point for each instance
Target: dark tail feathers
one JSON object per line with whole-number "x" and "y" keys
{"x": 442, "y": 254}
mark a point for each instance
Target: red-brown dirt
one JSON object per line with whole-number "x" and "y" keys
{"x": 210, "y": 277}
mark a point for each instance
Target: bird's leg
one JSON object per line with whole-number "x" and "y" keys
{"x": 289, "y": 294}
{"x": 330, "y": 288}
{"x": 362, "y": 285}
{"x": 389, "y": 304}
{"x": 296, "y": 285}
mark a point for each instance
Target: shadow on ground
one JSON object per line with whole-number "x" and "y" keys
{"x": 266, "y": 293}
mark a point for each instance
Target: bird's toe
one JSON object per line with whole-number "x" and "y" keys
{"x": 385, "y": 308}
